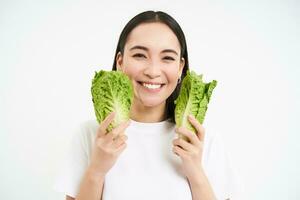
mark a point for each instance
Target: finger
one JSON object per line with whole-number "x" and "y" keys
{"x": 122, "y": 127}
{"x": 199, "y": 128}
{"x": 104, "y": 124}
{"x": 183, "y": 144}
{"x": 118, "y": 130}
{"x": 180, "y": 152}
{"x": 189, "y": 134}
{"x": 121, "y": 148}
{"x": 119, "y": 140}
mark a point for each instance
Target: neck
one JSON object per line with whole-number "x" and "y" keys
{"x": 148, "y": 114}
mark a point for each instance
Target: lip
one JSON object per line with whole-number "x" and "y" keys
{"x": 140, "y": 83}
{"x": 152, "y": 83}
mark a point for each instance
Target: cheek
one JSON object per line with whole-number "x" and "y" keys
{"x": 132, "y": 73}
{"x": 131, "y": 68}
{"x": 172, "y": 75}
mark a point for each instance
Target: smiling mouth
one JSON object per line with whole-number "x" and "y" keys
{"x": 151, "y": 86}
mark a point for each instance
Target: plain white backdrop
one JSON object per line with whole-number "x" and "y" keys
{"x": 49, "y": 51}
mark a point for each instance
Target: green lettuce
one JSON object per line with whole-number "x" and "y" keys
{"x": 112, "y": 91}
{"x": 193, "y": 99}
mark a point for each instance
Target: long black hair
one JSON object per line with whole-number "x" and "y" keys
{"x": 157, "y": 16}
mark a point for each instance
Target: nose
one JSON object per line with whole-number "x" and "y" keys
{"x": 153, "y": 70}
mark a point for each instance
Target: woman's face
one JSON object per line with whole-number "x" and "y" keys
{"x": 152, "y": 61}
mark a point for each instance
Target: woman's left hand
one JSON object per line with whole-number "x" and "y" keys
{"x": 190, "y": 152}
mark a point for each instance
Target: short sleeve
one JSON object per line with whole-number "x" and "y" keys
{"x": 75, "y": 164}
{"x": 222, "y": 175}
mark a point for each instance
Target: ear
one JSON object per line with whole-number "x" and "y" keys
{"x": 119, "y": 61}
{"x": 181, "y": 66}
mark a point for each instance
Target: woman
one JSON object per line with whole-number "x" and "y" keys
{"x": 142, "y": 158}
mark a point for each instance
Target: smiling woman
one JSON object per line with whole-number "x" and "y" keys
{"x": 154, "y": 44}
{"x": 151, "y": 61}
{"x": 153, "y": 163}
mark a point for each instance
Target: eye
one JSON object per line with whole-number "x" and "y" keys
{"x": 139, "y": 55}
{"x": 169, "y": 58}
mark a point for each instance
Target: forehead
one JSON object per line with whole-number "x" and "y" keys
{"x": 154, "y": 35}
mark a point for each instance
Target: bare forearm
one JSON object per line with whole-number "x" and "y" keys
{"x": 91, "y": 186}
{"x": 201, "y": 188}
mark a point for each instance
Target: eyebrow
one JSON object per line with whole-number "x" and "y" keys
{"x": 146, "y": 49}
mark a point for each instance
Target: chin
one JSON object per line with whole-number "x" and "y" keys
{"x": 152, "y": 102}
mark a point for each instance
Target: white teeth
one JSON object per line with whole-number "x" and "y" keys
{"x": 150, "y": 86}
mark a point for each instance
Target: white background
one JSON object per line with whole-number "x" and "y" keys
{"x": 49, "y": 51}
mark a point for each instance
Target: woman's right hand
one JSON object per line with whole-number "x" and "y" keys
{"x": 107, "y": 146}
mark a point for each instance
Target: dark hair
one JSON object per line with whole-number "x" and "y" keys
{"x": 159, "y": 16}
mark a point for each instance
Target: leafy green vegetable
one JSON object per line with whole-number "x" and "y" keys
{"x": 193, "y": 98}
{"x": 112, "y": 91}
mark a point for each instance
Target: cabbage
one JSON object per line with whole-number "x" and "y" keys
{"x": 193, "y": 98}
{"x": 112, "y": 91}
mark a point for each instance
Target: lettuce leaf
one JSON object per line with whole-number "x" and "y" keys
{"x": 112, "y": 91}
{"x": 193, "y": 99}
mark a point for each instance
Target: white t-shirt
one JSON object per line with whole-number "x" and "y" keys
{"x": 148, "y": 169}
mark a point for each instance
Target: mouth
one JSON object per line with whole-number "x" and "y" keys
{"x": 151, "y": 86}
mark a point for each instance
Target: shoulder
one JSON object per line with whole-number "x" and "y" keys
{"x": 217, "y": 163}
{"x": 89, "y": 126}
{"x": 212, "y": 135}
{"x": 214, "y": 146}
{"x": 85, "y": 133}
{"x": 214, "y": 151}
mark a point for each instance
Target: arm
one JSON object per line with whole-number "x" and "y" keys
{"x": 200, "y": 187}
{"x": 91, "y": 186}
